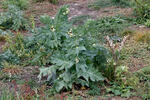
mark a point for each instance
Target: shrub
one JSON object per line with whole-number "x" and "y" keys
{"x": 13, "y": 19}
{"x": 22, "y": 4}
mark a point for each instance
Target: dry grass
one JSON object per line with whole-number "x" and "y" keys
{"x": 135, "y": 54}
{"x": 142, "y": 37}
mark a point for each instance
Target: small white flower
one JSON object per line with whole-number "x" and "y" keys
{"x": 52, "y": 29}
{"x": 94, "y": 44}
{"x": 67, "y": 10}
{"x": 114, "y": 63}
{"x": 64, "y": 13}
{"x": 77, "y": 60}
{"x": 70, "y": 33}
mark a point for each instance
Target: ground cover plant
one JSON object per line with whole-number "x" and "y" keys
{"x": 22, "y": 4}
{"x": 13, "y": 19}
{"x": 66, "y": 57}
{"x": 98, "y": 4}
{"x": 142, "y": 10}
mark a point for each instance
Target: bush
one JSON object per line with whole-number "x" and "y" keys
{"x": 13, "y": 19}
{"x": 22, "y": 4}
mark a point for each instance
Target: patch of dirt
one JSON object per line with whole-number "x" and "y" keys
{"x": 78, "y": 9}
{"x": 119, "y": 98}
{"x": 27, "y": 73}
{"x": 113, "y": 11}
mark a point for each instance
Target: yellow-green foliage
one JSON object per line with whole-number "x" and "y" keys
{"x": 16, "y": 45}
{"x": 8, "y": 65}
{"x": 2, "y": 38}
{"x": 9, "y": 70}
{"x": 124, "y": 77}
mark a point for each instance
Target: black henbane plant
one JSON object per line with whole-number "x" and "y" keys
{"x": 69, "y": 55}
{"x": 72, "y": 52}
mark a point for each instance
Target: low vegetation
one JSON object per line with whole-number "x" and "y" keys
{"x": 73, "y": 58}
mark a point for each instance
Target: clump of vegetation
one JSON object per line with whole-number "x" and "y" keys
{"x": 66, "y": 51}
{"x": 144, "y": 77}
{"x": 13, "y": 19}
{"x": 147, "y": 23}
{"x": 69, "y": 56}
{"x": 111, "y": 26}
{"x": 122, "y": 3}
{"x": 142, "y": 10}
{"x": 98, "y": 4}
{"x": 22, "y": 4}
{"x": 51, "y": 1}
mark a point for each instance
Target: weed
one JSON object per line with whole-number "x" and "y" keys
{"x": 65, "y": 49}
{"x": 120, "y": 90}
{"x": 111, "y": 26}
{"x": 142, "y": 9}
{"x": 13, "y": 19}
{"x": 51, "y": 1}
{"x": 96, "y": 5}
{"x": 147, "y": 23}
{"x": 144, "y": 76}
{"x": 22, "y": 4}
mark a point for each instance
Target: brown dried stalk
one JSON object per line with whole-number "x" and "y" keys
{"x": 115, "y": 47}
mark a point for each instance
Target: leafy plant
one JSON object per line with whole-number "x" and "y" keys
{"x": 22, "y": 4}
{"x": 142, "y": 9}
{"x": 71, "y": 60}
{"x": 70, "y": 53}
{"x": 147, "y": 23}
{"x": 94, "y": 89}
{"x": 122, "y": 3}
{"x": 111, "y": 26}
{"x": 144, "y": 77}
{"x": 51, "y": 1}
{"x": 98, "y": 4}
{"x": 120, "y": 90}
{"x": 13, "y": 19}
